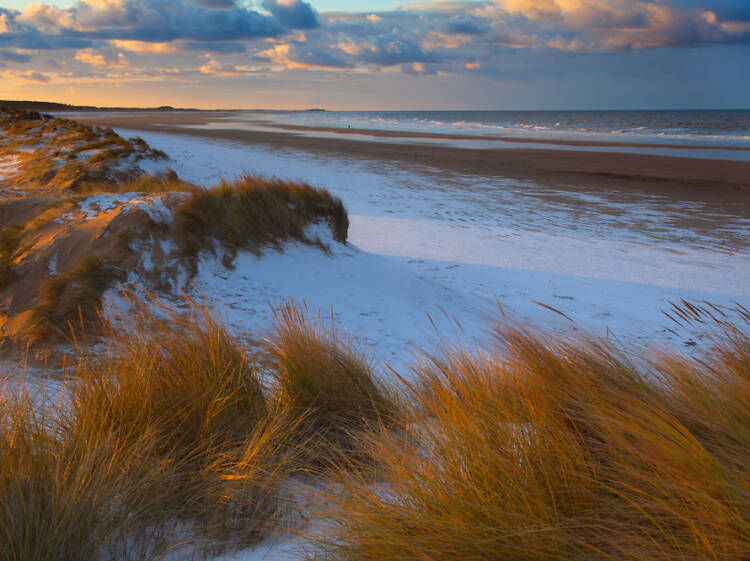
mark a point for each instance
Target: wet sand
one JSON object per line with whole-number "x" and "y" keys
{"x": 722, "y": 183}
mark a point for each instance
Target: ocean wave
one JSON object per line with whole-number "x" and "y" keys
{"x": 666, "y": 126}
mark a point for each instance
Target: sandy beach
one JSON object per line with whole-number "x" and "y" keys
{"x": 722, "y": 184}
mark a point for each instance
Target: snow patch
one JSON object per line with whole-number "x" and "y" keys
{"x": 153, "y": 205}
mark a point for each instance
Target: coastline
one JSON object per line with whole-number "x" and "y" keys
{"x": 723, "y": 183}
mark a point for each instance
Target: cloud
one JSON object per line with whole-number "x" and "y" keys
{"x": 12, "y": 56}
{"x": 102, "y": 60}
{"x": 419, "y": 69}
{"x": 428, "y": 38}
{"x": 216, "y": 4}
{"x": 156, "y": 21}
{"x": 296, "y": 56}
{"x": 216, "y": 68}
{"x": 28, "y": 76}
{"x": 465, "y": 26}
{"x": 292, "y": 14}
{"x": 622, "y": 24}
{"x": 143, "y": 47}
{"x": 48, "y": 17}
{"x": 390, "y": 49}
{"x": 220, "y": 47}
{"x": 575, "y": 44}
{"x": 6, "y": 22}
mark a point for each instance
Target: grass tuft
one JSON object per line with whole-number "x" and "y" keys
{"x": 10, "y": 237}
{"x": 73, "y": 297}
{"x": 543, "y": 448}
{"x": 73, "y": 499}
{"x": 188, "y": 384}
{"x": 253, "y": 212}
{"x": 324, "y": 378}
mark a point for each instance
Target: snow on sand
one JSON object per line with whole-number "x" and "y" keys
{"x": 424, "y": 241}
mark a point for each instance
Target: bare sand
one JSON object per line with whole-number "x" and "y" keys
{"x": 725, "y": 184}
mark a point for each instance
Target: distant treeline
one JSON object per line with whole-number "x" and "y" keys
{"x": 44, "y": 106}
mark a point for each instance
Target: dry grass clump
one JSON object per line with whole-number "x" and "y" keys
{"x": 10, "y": 237}
{"x": 544, "y": 448}
{"x": 73, "y": 298}
{"x": 185, "y": 377}
{"x": 255, "y": 211}
{"x": 165, "y": 442}
{"x": 190, "y": 386}
{"x": 163, "y": 182}
{"x": 73, "y": 499}
{"x": 324, "y": 379}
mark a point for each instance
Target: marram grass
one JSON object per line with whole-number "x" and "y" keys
{"x": 541, "y": 448}
{"x": 535, "y": 447}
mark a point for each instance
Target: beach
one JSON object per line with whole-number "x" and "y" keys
{"x": 724, "y": 185}
{"x": 445, "y": 234}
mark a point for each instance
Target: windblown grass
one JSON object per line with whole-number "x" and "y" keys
{"x": 535, "y": 447}
{"x": 544, "y": 448}
{"x": 322, "y": 377}
{"x": 253, "y": 212}
{"x": 188, "y": 384}
{"x": 74, "y": 298}
{"x": 69, "y": 498}
{"x": 10, "y": 237}
{"x": 164, "y": 182}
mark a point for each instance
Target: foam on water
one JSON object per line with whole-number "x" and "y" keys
{"x": 726, "y": 127}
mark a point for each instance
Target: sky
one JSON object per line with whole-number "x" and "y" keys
{"x": 378, "y": 54}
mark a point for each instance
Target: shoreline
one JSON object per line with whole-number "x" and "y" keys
{"x": 724, "y": 183}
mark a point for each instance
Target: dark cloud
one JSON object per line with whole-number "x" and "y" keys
{"x": 292, "y": 14}
{"x": 33, "y": 39}
{"x": 29, "y": 76}
{"x": 735, "y": 10}
{"x": 296, "y": 55}
{"x": 228, "y": 47}
{"x": 466, "y": 26}
{"x": 216, "y": 4}
{"x": 48, "y": 27}
{"x": 11, "y": 56}
{"x": 391, "y": 49}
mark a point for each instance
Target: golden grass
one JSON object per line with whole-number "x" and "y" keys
{"x": 74, "y": 298}
{"x": 190, "y": 386}
{"x": 323, "y": 378}
{"x": 70, "y": 498}
{"x": 10, "y": 237}
{"x": 535, "y": 447}
{"x": 164, "y": 182}
{"x": 544, "y": 448}
{"x": 252, "y": 212}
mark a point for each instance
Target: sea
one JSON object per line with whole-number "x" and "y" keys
{"x": 730, "y": 128}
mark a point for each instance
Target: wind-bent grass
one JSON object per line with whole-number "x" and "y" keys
{"x": 69, "y": 498}
{"x": 190, "y": 386}
{"x": 165, "y": 182}
{"x": 253, "y": 212}
{"x": 542, "y": 448}
{"x": 536, "y": 447}
{"x": 74, "y": 298}
{"x": 324, "y": 378}
{"x": 10, "y": 237}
